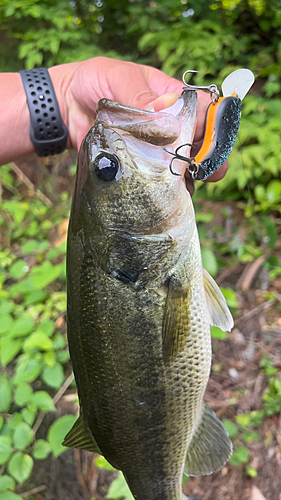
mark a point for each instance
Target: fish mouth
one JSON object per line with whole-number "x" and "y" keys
{"x": 172, "y": 126}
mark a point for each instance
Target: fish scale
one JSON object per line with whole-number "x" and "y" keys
{"x": 139, "y": 308}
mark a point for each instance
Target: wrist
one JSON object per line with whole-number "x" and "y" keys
{"x": 61, "y": 77}
{"x": 14, "y": 119}
{"x": 48, "y": 132}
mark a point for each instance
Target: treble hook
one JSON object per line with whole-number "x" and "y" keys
{"x": 193, "y": 167}
{"x": 213, "y": 89}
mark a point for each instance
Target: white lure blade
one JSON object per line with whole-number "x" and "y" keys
{"x": 239, "y": 82}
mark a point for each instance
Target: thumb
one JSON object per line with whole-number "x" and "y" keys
{"x": 130, "y": 87}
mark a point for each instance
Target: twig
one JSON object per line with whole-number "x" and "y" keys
{"x": 22, "y": 177}
{"x": 56, "y": 398}
{"x": 38, "y": 489}
{"x": 256, "y": 310}
{"x": 80, "y": 476}
{"x": 225, "y": 273}
{"x": 243, "y": 384}
{"x": 214, "y": 404}
{"x": 251, "y": 273}
{"x": 63, "y": 388}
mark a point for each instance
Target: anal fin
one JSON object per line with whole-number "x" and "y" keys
{"x": 210, "y": 447}
{"x": 80, "y": 437}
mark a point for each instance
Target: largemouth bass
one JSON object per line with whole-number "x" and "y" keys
{"x": 140, "y": 304}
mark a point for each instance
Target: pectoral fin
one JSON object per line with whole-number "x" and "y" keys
{"x": 210, "y": 447}
{"x": 219, "y": 313}
{"x": 80, "y": 437}
{"x": 176, "y": 319}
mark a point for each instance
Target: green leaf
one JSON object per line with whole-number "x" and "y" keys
{"x": 50, "y": 359}
{"x": 35, "y": 10}
{"x": 43, "y": 401}
{"x": 30, "y": 246}
{"x": 22, "y": 394}
{"x": 42, "y": 450}
{"x": 10, "y": 495}
{"x": 35, "y": 297}
{"x": 6, "y": 307}
{"x": 18, "y": 269}
{"x": 6, "y": 322}
{"x": 9, "y": 348}
{"x": 14, "y": 421}
{"x": 54, "y": 45}
{"x": 5, "y": 394}
{"x": 6, "y": 483}
{"x": 230, "y": 297}
{"x": 240, "y": 456}
{"x": 209, "y": 261}
{"x": 38, "y": 340}
{"x": 22, "y": 326}
{"x": 251, "y": 471}
{"x": 23, "y": 436}
{"x": 44, "y": 275}
{"x": 274, "y": 192}
{"x": 231, "y": 428}
{"x": 102, "y": 463}
{"x": 58, "y": 431}
{"x": 119, "y": 489}
{"x": 251, "y": 436}
{"x": 5, "y": 449}
{"x": 217, "y": 333}
{"x": 54, "y": 376}
{"x": 27, "y": 370}
{"x": 29, "y": 414}
{"x": 20, "y": 466}
{"x": 47, "y": 326}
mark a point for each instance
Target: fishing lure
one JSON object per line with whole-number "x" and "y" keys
{"x": 221, "y": 124}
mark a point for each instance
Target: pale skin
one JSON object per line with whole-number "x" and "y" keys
{"x": 78, "y": 87}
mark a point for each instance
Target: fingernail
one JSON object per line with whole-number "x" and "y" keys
{"x": 149, "y": 108}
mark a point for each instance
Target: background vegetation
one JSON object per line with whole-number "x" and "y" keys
{"x": 214, "y": 37}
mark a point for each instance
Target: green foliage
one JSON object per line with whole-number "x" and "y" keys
{"x": 240, "y": 456}
{"x": 57, "y": 433}
{"x": 119, "y": 489}
{"x": 231, "y": 428}
{"x": 32, "y": 349}
{"x": 217, "y": 333}
{"x": 212, "y": 37}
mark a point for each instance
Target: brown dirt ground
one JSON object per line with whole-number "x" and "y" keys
{"x": 74, "y": 475}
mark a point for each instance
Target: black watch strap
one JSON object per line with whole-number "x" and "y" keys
{"x": 48, "y": 132}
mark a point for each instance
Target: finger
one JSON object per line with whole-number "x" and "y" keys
{"x": 218, "y": 174}
{"x": 203, "y": 104}
{"x": 134, "y": 90}
{"x": 163, "y": 102}
{"x": 161, "y": 83}
{"x": 189, "y": 185}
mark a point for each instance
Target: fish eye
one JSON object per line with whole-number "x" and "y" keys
{"x": 106, "y": 166}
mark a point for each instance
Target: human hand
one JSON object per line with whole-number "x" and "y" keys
{"x": 79, "y": 87}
